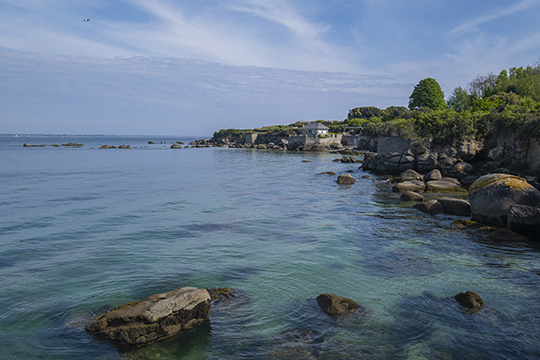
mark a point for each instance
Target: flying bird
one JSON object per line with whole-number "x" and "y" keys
{"x": 86, "y": 20}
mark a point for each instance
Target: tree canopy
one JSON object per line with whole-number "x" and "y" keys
{"x": 427, "y": 93}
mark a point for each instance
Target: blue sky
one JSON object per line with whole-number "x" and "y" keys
{"x": 195, "y": 66}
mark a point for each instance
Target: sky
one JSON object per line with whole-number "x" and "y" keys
{"x": 192, "y": 67}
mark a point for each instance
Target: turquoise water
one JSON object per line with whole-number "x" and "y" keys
{"x": 84, "y": 229}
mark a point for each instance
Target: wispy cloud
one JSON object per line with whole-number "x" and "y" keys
{"x": 472, "y": 25}
{"x": 252, "y": 32}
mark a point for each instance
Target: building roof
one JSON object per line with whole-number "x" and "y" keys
{"x": 315, "y": 125}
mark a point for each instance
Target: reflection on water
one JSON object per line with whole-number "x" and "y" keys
{"x": 85, "y": 230}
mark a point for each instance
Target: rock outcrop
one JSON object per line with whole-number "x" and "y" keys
{"x": 395, "y": 154}
{"x": 155, "y": 318}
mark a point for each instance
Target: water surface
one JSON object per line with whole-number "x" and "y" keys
{"x": 84, "y": 229}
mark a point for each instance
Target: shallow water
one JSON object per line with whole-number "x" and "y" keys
{"x": 85, "y": 229}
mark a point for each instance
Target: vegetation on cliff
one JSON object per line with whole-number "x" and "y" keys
{"x": 490, "y": 105}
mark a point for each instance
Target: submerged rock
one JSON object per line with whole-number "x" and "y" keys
{"x": 336, "y": 305}
{"x": 155, "y": 318}
{"x": 327, "y": 173}
{"x": 466, "y": 224}
{"x": 500, "y": 234}
{"x": 470, "y": 301}
{"x": 411, "y": 196}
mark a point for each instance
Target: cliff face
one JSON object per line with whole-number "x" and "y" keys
{"x": 395, "y": 154}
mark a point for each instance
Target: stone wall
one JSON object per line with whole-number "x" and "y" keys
{"x": 298, "y": 140}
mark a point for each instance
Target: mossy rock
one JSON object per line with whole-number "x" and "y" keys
{"x": 466, "y": 224}
{"x": 492, "y": 195}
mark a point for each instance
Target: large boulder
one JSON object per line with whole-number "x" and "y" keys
{"x": 492, "y": 195}
{"x": 455, "y": 206}
{"x": 155, "y": 318}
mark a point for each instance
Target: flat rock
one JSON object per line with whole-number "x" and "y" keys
{"x": 411, "y": 185}
{"x": 445, "y": 185}
{"x": 155, "y": 318}
{"x": 430, "y": 207}
{"x": 327, "y": 173}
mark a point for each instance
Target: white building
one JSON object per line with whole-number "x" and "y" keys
{"x": 315, "y": 128}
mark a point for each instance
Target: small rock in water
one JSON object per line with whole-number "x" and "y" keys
{"x": 470, "y": 301}
{"x": 336, "y": 305}
{"x": 346, "y": 179}
{"x": 327, "y": 173}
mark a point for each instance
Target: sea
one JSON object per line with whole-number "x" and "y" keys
{"x": 84, "y": 230}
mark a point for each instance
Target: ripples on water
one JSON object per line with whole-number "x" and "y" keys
{"x": 86, "y": 229}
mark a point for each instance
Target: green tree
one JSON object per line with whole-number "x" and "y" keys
{"x": 427, "y": 93}
{"x": 459, "y": 100}
{"x": 365, "y": 112}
